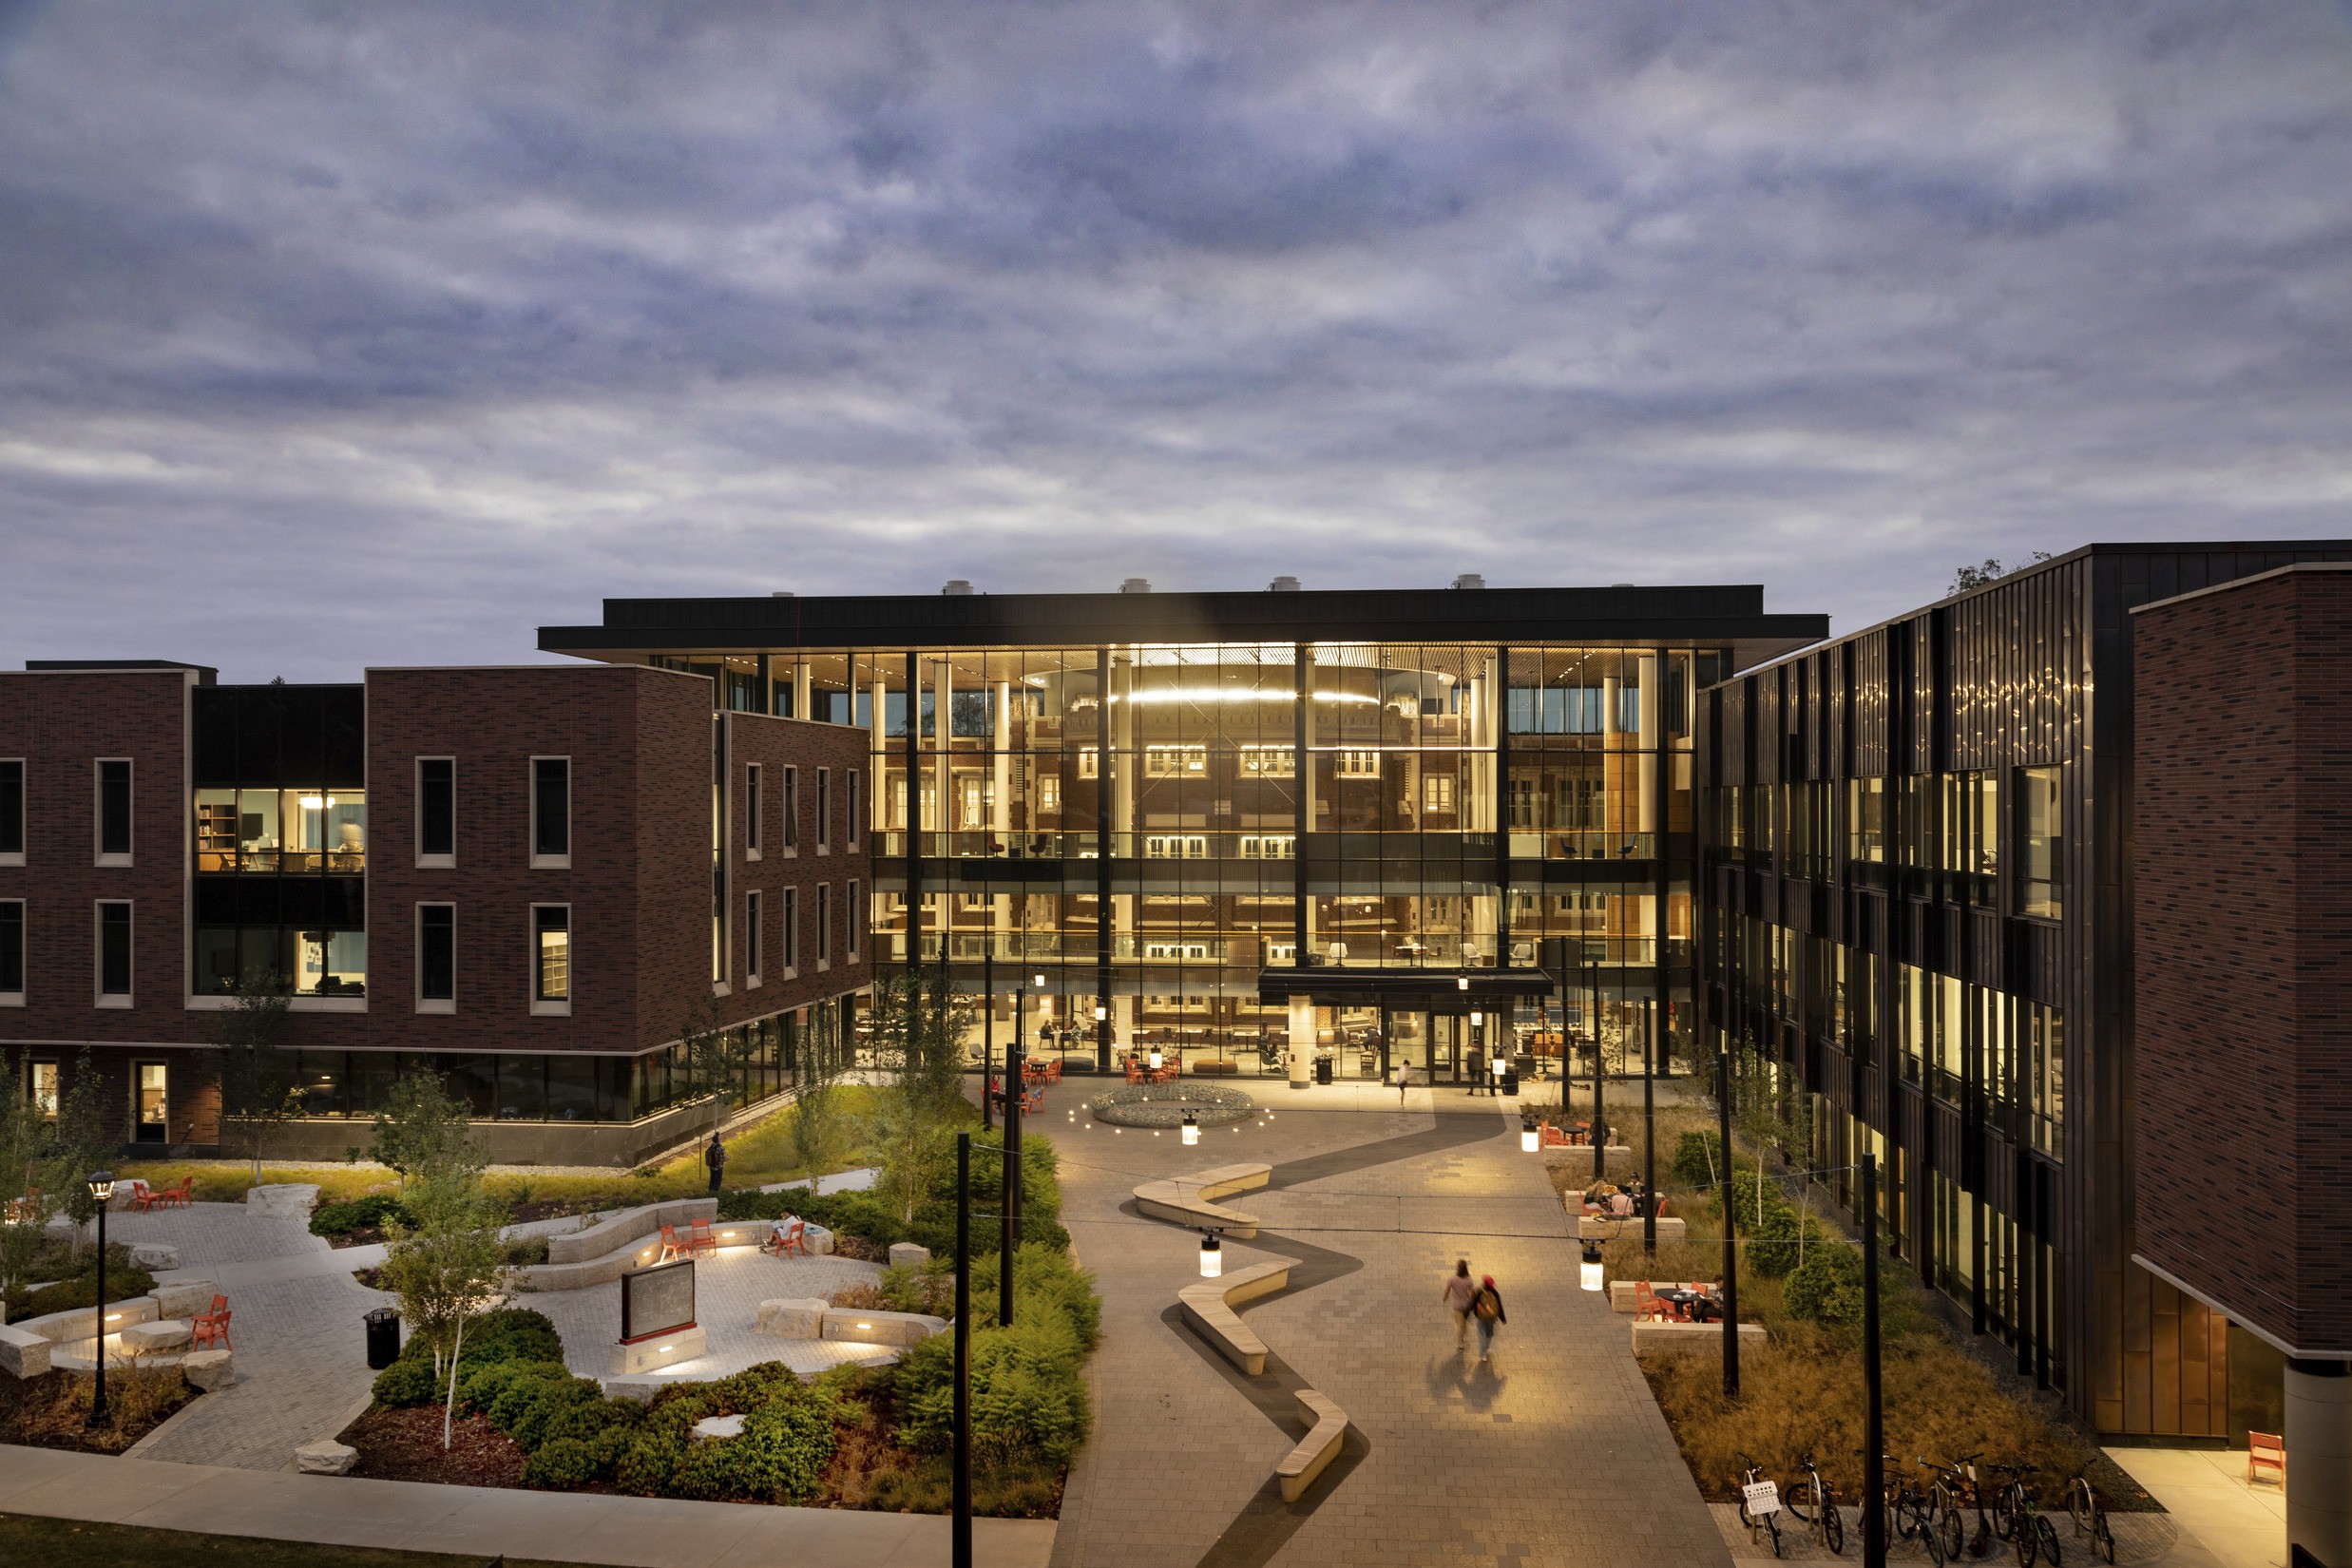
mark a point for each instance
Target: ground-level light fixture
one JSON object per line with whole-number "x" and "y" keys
{"x": 1154, "y": 1059}
{"x": 1527, "y": 1135}
{"x": 1212, "y": 1255}
{"x": 1191, "y": 1129}
{"x": 1591, "y": 1270}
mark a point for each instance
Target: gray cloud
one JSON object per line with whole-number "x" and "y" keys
{"x": 386, "y": 335}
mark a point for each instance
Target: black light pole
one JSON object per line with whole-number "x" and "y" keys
{"x": 1566, "y": 1077}
{"x": 987, "y": 1028}
{"x": 960, "y": 1532}
{"x": 1601, "y": 1126}
{"x": 101, "y": 1188}
{"x": 1016, "y": 1061}
{"x": 1873, "y": 1417}
{"x": 1650, "y": 1136}
{"x": 1731, "y": 1252}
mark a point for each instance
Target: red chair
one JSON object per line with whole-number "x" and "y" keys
{"x": 144, "y": 1197}
{"x": 180, "y": 1196}
{"x": 2266, "y": 1451}
{"x": 671, "y": 1245}
{"x": 788, "y": 1237}
{"x": 1647, "y": 1307}
{"x": 700, "y": 1240}
{"x": 211, "y": 1327}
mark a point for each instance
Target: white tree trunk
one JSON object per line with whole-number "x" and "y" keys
{"x": 450, "y": 1405}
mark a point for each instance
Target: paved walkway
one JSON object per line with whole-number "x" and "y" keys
{"x": 483, "y": 1522}
{"x": 728, "y": 1290}
{"x": 2243, "y": 1526}
{"x": 1553, "y": 1452}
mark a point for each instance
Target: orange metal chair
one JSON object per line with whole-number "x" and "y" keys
{"x": 2266, "y": 1451}
{"x": 211, "y": 1327}
{"x": 700, "y": 1240}
{"x": 1647, "y": 1307}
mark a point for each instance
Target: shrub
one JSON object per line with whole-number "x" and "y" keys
{"x": 1698, "y": 1160}
{"x": 362, "y": 1213}
{"x": 563, "y": 1465}
{"x": 1826, "y": 1288}
{"x": 407, "y": 1381}
{"x": 1027, "y": 1396}
{"x": 504, "y": 1334}
{"x": 780, "y": 1456}
{"x": 123, "y": 1282}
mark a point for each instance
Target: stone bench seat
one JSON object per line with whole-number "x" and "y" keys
{"x": 1621, "y": 1290}
{"x": 1192, "y": 1200}
{"x": 602, "y": 1269}
{"x": 1209, "y": 1307}
{"x": 170, "y": 1333}
{"x": 861, "y": 1326}
{"x": 1607, "y": 1228}
{"x": 1673, "y": 1334}
{"x": 615, "y": 1232}
{"x": 1315, "y": 1451}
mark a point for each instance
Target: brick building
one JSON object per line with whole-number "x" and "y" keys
{"x": 533, "y": 881}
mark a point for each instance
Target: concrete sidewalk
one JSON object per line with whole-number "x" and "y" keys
{"x": 484, "y": 1522}
{"x": 2242, "y": 1526}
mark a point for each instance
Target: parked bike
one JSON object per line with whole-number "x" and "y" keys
{"x": 1759, "y": 1504}
{"x": 2082, "y": 1501}
{"x": 2029, "y": 1535}
{"x": 1956, "y": 1484}
{"x": 1813, "y": 1502}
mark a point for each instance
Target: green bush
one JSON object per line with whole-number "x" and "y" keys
{"x": 787, "y": 1441}
{"x": 123, "y": 1282}
{"x": 504, "y": 1334}
{"x": 1027, "y": 1396}
{"x": 1773, "y": 1244}
{"x": 1698, "y": 1160}
{"x": 565, "y": 1465}
{"x": 407, "y": 1381}
{"x": 361, "y": 1213}
{"x": 1826, "y": 1288}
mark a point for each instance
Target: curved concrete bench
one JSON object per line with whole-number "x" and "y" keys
{"x": 617, "y": 1230}
{"x": 1209, "y": 1307}
{"x": 1674, "y": 1335}
{"x": 1302, "y": 1464}
{"x": 1608, "y": 1227}
{"x": 1192, "y": 1200}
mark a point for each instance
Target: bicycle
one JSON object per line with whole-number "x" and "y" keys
{"x": 2082, "y": 1501}
{"x": 2031, "y": 1534}
{"x": 1817, "y": 1506}
{"x": 1911, "y": 1512}
{"x": 1956, "y": 1482}
{"x": 1760, "y": 1513}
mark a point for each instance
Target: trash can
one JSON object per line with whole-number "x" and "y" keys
{"x": 383, "y": 1337}
{"x": 1510, "y": 1082}
{"x": 1323, "y": 1069}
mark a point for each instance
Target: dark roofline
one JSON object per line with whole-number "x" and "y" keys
{"x": 1701, "y": 615}
{"x": 206, "y": 673}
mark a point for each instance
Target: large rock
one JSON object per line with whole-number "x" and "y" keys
{"x": 792, "y": 1317}
{"x": 155, "y": 1256}
{"x": 286, "y": 1200}
{"x": 325, "y": 1459}
{"x": 866, "y": 1328}
{"x": 208, "y": 1369}
{"x": 906, "y": 1254}
{"x": 641, "y": 1390}
{"x": 185, "y": 1298}
{"x": 164, "y": 1334}
{"x": 23, "y": 1353}
{"x": 712, "y": 1428}
{"x": 818, "y": 1240}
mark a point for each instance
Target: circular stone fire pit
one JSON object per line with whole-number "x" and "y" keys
{"x": 1164, "y": 1104}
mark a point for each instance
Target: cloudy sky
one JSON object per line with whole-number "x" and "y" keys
{"x": 333, "y": 334}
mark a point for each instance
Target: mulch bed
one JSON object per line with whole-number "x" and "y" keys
{"x": 405, "y": 1444}
{"x": 47, "y": 1411}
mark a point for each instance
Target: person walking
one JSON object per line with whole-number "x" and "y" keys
{"x": 714, "y": 1155}
{"x": 1458, "y": 1293}
{"x": 1486, "y": 1306}
{"x": 1400, "y": 1078}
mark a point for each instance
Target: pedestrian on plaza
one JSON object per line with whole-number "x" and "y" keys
{"x": 1400, "y": 1077}
{"x": 714, "y": 1155}
{"x": 1486, "y": 1306}
{"x": 1458, "y": 1293}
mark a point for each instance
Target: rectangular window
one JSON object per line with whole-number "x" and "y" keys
{"x": 1437, "y": 793}
{"x": 1866, "y": 820}
{"x": 1267, "y": 762}
{"x": 850, "y": 920}
{"x": 12, "y": 812}
{"x": 791, "y": 932}
{"x": 114, "y": 953}
{"x": 1175, "y": 761}
{"x": 824, "y": 810}
{"x": 437, "y": 812}
{"x": 753, "y": 801}
{"x": 41, "y": 1088}
{"x": 153, "y": 1080}
{"x": 1355, "y": 764}
{"x": 114, "y": 811}
{"x": 856, "y": 793}
{"x": 551, "y": 958}
{"x": 551, "y": 812}
{"x": 791, "y": 811}
{"x": 755, "y": 935}
{"x": 11, "y": 952}
{"x": 2041, "y": 845}
{"x": 1266, "y": 846}
{"x": 436, "y": 957}
{"x": 824, "y": 920}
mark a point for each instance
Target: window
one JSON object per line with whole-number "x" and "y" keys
{"x": 1176, "y": 846}
{"x": 1355, "y": 764}
{"x": 12, "y": 812}
{"x": 755, "y": 935}
{"x": 1268, "y": 762}
{"x": 1866, "y": 820}
{"x": 114, "y": 953}
{"x": 824, "y": 913}
{"x": 437, "y": 812}
{"x": 853, "y": 807}
{"x": 791, "y": 811}
{"x": 2041, "y": 845}
{"x": 551, "y": 958}
{"x": 1175, "y": 761}
{"x": 11, "y": 952}
{"x": 436, "y": 957}
{"x": 2045, "y": 1077}
{"x": 791, "y": 932}
{"x": 551, "y": 812}
{"x": 850, "y": 921}
{"x": 1268, "y": 845}
{"x": 753, "y": 802}
{"x": 153, "y": 1088}
{"x": 114, "y": 811}
{"x": 1437, "y": 793}
{"x": 1048, "y": 793}
{"x": 824, "y": 810}
{"x": 41, "y": 1088}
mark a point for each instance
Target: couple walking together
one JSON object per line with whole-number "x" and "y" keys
{"x": 1478, "y": 1302}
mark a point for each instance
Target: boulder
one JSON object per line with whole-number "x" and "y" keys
{"x": 325, "y": 1459}
{"x": 208, "y": 1369}
{"x": 184, "y": 1299}
{"x": 906, "y": 1254}
{"x": 285, "y": 1200}
{"x": 164, "y": 1334}
{"x": 818, "y": 1240}
{"x": 155, "y": 1256}
{"x": 23, "y": 1353}
{"x": 712, "y": 1428}
{"x": 875, "y": 1328}
{"x": 636, "y": 1389}
{"x": 792, "y": 1317}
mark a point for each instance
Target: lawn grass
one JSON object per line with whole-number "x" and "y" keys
{"x": 71, "y": 1544}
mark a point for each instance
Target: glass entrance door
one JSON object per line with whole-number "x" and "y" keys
{"x": 1410, "y": 1043}
{"x": 154, "y": 1100}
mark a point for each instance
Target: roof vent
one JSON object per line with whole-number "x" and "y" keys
{"x": 1135, "y": 584}
{"x": 1283, "y": 584}
{"x": 956, "y": 588}
{"x": 1469, "y": 580}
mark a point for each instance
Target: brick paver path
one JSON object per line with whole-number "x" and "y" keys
{"x": 728, "y": 1290}
{"x": 1552, "y": 1453}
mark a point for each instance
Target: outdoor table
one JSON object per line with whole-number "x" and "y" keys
{"x": 1682, "y": 1301}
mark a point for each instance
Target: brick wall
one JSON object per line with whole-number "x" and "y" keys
{"x": 2244, "y": 909}
{"x": 774, "y": 745}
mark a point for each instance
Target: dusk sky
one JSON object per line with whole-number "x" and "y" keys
{"x": 338, "y": 335}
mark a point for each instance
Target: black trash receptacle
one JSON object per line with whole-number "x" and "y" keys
{"x": 1510, "y": 1082}
{"x": 383, "y": 1337}
{"x": 1323, "y": 1069}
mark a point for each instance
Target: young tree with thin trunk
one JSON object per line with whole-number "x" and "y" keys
{"x": 446, "y": 1262}
{"x": 817, "y": 1130}
{"x": 259, "y": 1092}
{"x": 421, "y": 1130}
{"x": 84, "y": 1139}
{"x": 26, "y": 1204}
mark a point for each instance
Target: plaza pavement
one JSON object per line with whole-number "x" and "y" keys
{"x": 1553, "y": 1452}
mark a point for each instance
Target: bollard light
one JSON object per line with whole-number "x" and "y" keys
{"x": 1212, "y": 1255}
{"x": 1191, "y": 1129}
{"x": 1462, "y": 982}
{"x": 1528, "y": 1140}
{"x": 1591, "y": 1270}
{"x": 1154, "y": 1059}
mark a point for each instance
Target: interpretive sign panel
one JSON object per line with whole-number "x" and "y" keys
{"x": 659, "y": 1300}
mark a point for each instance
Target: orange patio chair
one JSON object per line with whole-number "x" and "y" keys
{"x": 2266, "y": 1451}
{"x": 671, "y": 1245}
{"x": 793, "y": 1238}
{"x": 700, "y": 1240}
{"x": 144, "y": 1197}
{"x": 1647, "y": 1307}
{"x": 182, "y": 1195}
{"x": 211, "y": 1327}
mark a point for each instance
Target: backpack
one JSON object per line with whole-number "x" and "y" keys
{"x": 1486, "y": 1306}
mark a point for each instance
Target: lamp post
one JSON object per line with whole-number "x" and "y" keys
{"x": 1530, "y": 1142}
{"x": 1730, "y": 1252}
{"x": 1016, "y": 1067}
{"x": 1212, "y": 1255}
{"x": 960, "y": 1531}
{"x": 988, "y": 1027}
{"x": 1191, "y": 1128}
{"x": 101, "y": 1189}
{"x": 1650, "y": 1136}
{"x": 1600, "y": 1123}
{"x": 1478, "y": 1048}
{"x": 1873, "y": 1413}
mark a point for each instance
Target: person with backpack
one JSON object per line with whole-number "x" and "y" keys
{"x": 1459, "y": 1294}
{"x": 1486, "y": 1308}
{"x": 714, "y": 1155}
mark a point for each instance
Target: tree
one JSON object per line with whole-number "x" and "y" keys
{"x": 259, "y": 1092}
{"x": 1966, "y": 578}
{"x": 714, "y": 1055}
{"x": 816, "y": 1110}
{"x": 445, "y": 1260}
{"x": 82, "y": 1139}
{"x": 917, "y": 1150}
{"x": 919, "y": 1023}
{"x": 26, "y": 1203}
{"x": 421, "y": 1131}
